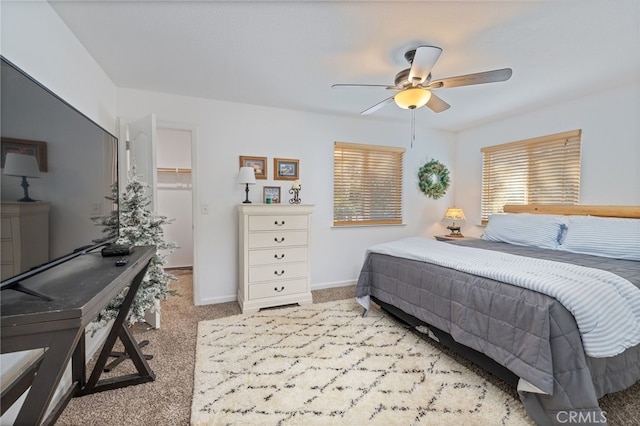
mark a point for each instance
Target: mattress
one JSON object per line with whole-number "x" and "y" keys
{"x": 531, "y": 334}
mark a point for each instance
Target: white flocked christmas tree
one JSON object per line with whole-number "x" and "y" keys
{"x": 139, "y": 227}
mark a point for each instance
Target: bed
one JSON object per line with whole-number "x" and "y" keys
{"x": 558, "y": 315}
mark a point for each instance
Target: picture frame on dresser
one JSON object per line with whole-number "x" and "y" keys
{"x": 272, "y": 193}
{"x": 286, "y": 168}
{"x": 24, "y": 146}
{"x": 259, "y": 165}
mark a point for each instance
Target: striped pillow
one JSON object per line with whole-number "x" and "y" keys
{"x": 603, "y": 236}
{"x": 526, "y": 229}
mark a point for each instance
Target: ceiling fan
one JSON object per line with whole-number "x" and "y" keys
{"x": 415, "y": 87}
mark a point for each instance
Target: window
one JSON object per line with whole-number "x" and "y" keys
{"x": 544, "y": 170}
{"x": 367, "y": 184}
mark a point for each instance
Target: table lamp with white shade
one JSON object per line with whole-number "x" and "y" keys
{"x": 22, "y": 165}
{"x": 247, "y": 176}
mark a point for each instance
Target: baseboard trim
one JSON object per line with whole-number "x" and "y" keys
{"x": 334, "y": 284}
{"x": 214, "y": 300}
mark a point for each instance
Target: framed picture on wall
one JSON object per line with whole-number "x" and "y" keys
{"x": 286, "y": 169}
{"x": 23, "y": 146}
{"x": 271, "y": 194}
{"x": 259, "y": 164}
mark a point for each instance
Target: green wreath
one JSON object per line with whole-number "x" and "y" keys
{"x": 433, "y": 179}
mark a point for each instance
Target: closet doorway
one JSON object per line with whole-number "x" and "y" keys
{"x": 175, "y": 192}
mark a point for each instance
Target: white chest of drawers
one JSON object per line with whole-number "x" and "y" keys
{"x": 274, "y": 255}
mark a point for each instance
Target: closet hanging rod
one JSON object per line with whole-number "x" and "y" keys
{"x": 173, "y": 170}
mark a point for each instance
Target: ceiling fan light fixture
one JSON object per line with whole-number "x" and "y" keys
{"x": 412, "y": 98}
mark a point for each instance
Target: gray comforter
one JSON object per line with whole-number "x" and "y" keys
{"x": 530, "y": 333}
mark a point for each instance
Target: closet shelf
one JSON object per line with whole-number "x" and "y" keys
{"x": 173, "y": 170}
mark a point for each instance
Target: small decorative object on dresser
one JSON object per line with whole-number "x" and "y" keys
{"x": 296, "y": 187}
{"x": 274, "y": 255}
{"x": 453, "y": 215}
{"x": 271, "y": 194}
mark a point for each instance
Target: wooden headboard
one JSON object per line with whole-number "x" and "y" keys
{"x": 606, "y": 211}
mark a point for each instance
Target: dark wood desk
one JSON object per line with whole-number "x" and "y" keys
{"x": 81, "y": 288}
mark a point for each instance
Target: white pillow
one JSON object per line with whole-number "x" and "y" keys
{"x": 526, "y": 229}
{"x": 603, "y": 236}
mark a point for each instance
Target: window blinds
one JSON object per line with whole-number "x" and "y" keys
{"x": 367, "y": 184}
{"x": 544, "y": 170}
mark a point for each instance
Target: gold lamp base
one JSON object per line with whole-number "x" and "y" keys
{"x": 455, "y": 232}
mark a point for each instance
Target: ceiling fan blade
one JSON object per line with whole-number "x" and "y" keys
{"x": 470, "y": 79}
{"x": 341, "y": 86}
{"x": 377, "y": 106}
{"x": 423, "y": 60}
{"x": 436, "y": 104}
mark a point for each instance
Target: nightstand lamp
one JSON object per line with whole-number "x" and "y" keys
{"x": 247, "y": 176}
{"x": 453, "y": 215}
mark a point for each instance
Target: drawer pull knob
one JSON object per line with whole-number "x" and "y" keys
{"x": 276, "y": 289}
{"x": 279, "y": 257}
{"x": 278, "y": 274}
{"x": 279, "y": 223}
{"x": 278, "y": 241}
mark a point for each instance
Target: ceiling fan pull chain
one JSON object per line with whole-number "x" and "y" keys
{"x": 413, "y": 125}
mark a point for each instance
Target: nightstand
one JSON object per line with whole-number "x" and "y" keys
{"x": 448, "y": 238}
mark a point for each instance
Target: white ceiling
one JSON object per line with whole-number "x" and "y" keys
{"x": 287, "y": 54}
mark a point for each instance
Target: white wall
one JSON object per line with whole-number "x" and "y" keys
{"x": 227, "y": 130}
{"x": 610, "y": 170}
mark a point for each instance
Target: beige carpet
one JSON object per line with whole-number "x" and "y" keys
{"x": 167, "y": 401}
{"x": 324, "y": 364}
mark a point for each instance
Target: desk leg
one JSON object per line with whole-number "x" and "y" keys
{"x": 120, "y": 330}
{"x": 79, "y": 362}
{"x": 49, "y": 374}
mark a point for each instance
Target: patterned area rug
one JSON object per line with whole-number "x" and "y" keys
{"x": 323, "y": 364}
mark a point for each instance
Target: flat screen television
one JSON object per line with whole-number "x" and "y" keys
{"x": 78, "y": 162}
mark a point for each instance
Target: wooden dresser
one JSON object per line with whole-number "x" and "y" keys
{"x": 24, "y": 236}
{"x": 274, "y": 255}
